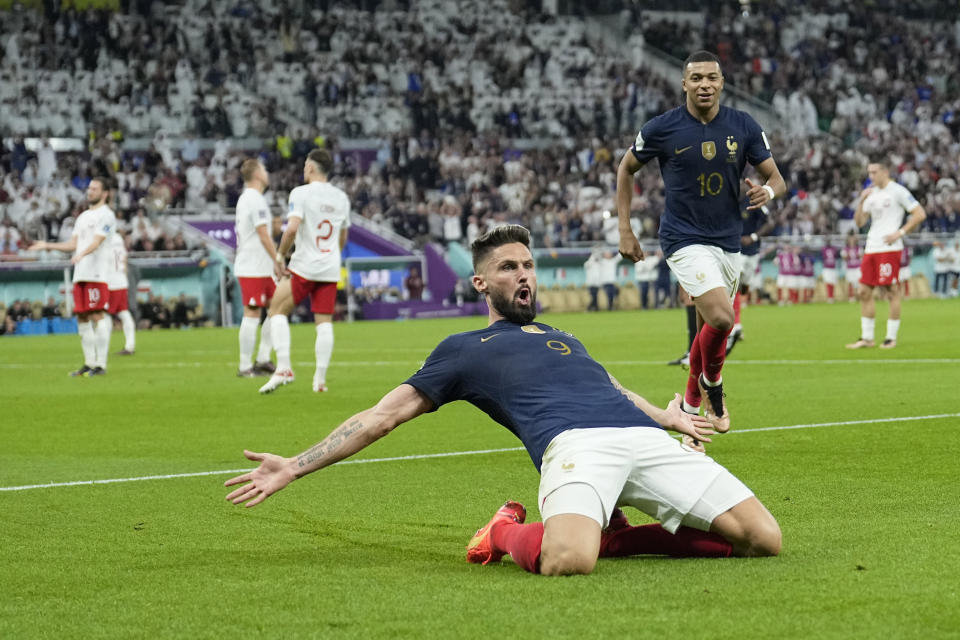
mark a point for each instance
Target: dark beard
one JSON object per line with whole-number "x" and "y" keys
{"x": 512, "y": 311}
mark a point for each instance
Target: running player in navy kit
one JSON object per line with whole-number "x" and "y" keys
{"x": 596, "y": 444}
{"x": 703, "y": 149}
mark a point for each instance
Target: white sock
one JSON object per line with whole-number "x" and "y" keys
{"x": 103, "y": 329}
{"x": 129, "y": 330}
{"x": 88, "y": 342}
{"x": 280, "y": 336}
{"x": 866, "y": 328}
{"x": 893, "y": 326}
{"x": 248, "y": 338}
{"x": 323, "y": 348}
{"x": 266, "y": 346}
{"x": 689, "y": 408}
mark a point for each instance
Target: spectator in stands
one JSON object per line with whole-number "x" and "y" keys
{"x": 413, "y": 284}
{"x": 51, "y": 309}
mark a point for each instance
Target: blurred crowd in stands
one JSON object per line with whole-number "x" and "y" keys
{"x": 473, "y": 114}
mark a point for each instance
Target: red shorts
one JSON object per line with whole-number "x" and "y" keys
{"x": 323, "y": 295}
{"x": 256, "y": 292}
{"x": 880, "y": 269}
{"x": 118, "y": 301}
{"x": 90, "y": 296}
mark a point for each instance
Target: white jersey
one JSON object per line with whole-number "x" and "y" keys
{"x": 117, "y": 276}
{"x": 323, "y": 210}
{"x": 886, "y": 208}
{"x": 252, "y": 260}
{"x": 90, "y": 224}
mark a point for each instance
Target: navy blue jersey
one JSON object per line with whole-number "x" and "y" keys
{"x": 702, "y": 166}
{"x": 752, "y": 221}
{"x": 535, "y": 380}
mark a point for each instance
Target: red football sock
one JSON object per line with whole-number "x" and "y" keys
{"x": 692, "y": 394}
{"x": 779, "y": 294}
{"x": 830, "y": 291}
{"x": 713, "y": 350}
{"x": 521, "y": 541}
{"x": 687, "y": 542}
{"x": 736, "y": 308}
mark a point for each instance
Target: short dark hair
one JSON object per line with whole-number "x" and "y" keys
{"x": 700, "y": 56}
{"x": 104, "y": 181}
{"x": 323, "y": 160}
{"x": 881, "y": 159}
{"x": 506, "y": 234}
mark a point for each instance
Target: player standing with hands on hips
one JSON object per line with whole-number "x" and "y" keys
{"x": 885, "y": 202}
{"x": 703, "y": 149}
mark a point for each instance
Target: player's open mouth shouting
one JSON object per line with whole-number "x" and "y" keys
{"x": 524, "y": 296}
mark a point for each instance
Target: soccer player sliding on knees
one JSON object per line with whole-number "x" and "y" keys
{"x": 597, "y": 445}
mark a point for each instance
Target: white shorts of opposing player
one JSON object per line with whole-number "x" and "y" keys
{"x": 750, "y": 271}
{"x": 700, "y": 268}
{"x": 590, "y": 472}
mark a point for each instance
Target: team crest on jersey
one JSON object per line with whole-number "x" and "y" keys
{"x": 531, "y": 328}
{"x": 731, "y": 149}
{"x": 709, "y": 150}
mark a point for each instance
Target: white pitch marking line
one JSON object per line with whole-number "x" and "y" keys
{"x": 450, "y": 454}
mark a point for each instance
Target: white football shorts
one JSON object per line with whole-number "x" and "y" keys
{"x": 750, "y": 271}
{"x": 829, "y": 275}
{"x": 700, "y": 268}
{"x": 590, "y": 472}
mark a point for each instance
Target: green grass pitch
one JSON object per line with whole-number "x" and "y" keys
{"x": 865, "y": 489}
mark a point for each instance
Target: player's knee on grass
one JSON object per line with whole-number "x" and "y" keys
{"x": 571, "y": 545}
{"x": 751, "y": 529}
{"x": 564, "y": 560}
{"x": 762, "y": 539}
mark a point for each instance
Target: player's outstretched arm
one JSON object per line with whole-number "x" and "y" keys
{"x": 673, "y": 417}
{"x": 629, "y": 245}
{"x": 275, "y": 472}
{"x": 93, "y": 246}
{"x": 68, "y": 246}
